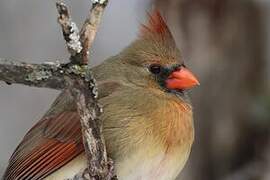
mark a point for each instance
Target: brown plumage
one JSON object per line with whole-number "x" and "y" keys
{"x": 148, "y": 124}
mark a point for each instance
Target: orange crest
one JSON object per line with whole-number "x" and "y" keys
{"x": 156, "y": 27}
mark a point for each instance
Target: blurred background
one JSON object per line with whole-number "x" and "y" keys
{"x": 225, "y": 42}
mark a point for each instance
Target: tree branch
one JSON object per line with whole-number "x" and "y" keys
{"x": 76, "y": 77}
{"x": 99, "y": 167}
{"x": 89, "y": 29}
{"x": 70, "y": 31}
{"x": 94, "y": 143}
{"x": 37, "y": 75}
{"x": 79, "y": 44}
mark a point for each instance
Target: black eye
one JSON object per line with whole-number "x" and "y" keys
{"x": 155, "y": 68}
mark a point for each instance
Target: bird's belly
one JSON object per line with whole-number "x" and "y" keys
{"x": 141, "y": 165}
{"x": 144, "y": 166}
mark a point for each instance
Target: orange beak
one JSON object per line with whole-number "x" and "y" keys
{"x": 181, "y": 79}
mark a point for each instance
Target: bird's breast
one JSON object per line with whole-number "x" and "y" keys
{"x": 144, "y": 163}
{"x": 162, "y": 145}
{"x": 155, "y": 137}
{"x": 153, "y": 163}
{"x": 147, "y": 141}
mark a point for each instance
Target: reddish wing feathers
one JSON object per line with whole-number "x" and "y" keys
{"x": 49, "y": 145}
{"x": 53, "y": 141}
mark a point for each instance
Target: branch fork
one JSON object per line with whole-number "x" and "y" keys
{"x": 77, "y": 78}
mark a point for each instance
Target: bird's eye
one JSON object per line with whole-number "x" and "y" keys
{"x": 155, "y": 68}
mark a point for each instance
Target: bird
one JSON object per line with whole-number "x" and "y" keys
{"x": 147, "y": 119}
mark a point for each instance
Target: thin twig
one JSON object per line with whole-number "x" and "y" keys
{"x": 89, "y": 29}
{"x": 79, "y": 44}
{"x": 69, "y": 29}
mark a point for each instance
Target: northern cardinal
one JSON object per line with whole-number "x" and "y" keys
{"x": 148, "y": 123}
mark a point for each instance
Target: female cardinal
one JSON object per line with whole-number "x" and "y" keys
{"x": 148, "y": 124}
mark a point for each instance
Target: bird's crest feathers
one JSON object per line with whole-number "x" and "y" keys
{"x": 156, "y": 27}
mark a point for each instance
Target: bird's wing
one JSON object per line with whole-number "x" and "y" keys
{"x": 52, "y": 142}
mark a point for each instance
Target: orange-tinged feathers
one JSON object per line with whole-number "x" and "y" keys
{"x": 156, "y": 27}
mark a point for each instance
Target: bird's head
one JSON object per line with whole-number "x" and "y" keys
{"x": 155, "y": 60}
